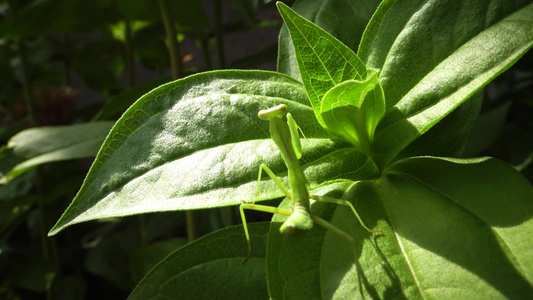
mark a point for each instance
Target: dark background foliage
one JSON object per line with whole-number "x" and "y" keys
{"x": 74, "y": 62}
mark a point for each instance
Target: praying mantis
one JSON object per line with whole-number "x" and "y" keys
{"x": 300, "y": 220}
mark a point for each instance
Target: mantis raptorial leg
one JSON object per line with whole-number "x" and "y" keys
{"x": 286, "y": 137}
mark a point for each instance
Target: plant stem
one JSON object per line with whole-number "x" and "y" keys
{"x": 68, "y": 68}
{"x": 142, "y": 230}
{"x": 130, "y": 62}
{"x": 526, "y": 163}
{"x": 177, "y": 72}
{"x": 191, "y": 218}
{"x": 219, "y": 34}
{"x": 173, "y": 45}
{"x": 204, "y": 42}
{"x": 30, "y": 103}
{"x": 41, "y": 204}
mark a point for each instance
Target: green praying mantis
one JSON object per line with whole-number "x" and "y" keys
{"x": 300, "y": 220}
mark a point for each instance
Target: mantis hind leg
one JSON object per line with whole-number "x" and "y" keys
{"x": 349, "y": 239}
{"x": 288, "y": 213}
{"x": 346, "y": 203}
{"x": 336, "y": 230}
{"x": 264, "y": 208}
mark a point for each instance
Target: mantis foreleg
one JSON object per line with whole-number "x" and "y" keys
{"x": 278, "y": 182}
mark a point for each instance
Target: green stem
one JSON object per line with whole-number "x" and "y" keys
{"x": 207, "y": 54}
{"x": 173, "y": 45}
{"x": 142, "y": 229}
{"x": 68, "y": 68}
{"x": 130, "y": 62}
{"x": 191, "y": 217}
{"x": 219, "y": 34}
{"x": 48, "y": 246}
{"x": 526, "y": 163}
{"x": 177, "y": 72}
{"x": 30, "y": 103}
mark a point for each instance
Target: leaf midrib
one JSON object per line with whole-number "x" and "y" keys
{"x": 398, "y": 239}
{"x": 491, "y": 229}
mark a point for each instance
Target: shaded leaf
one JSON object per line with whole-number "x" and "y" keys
{"x": 48, "y": 144}
{"x": 449, "y": 136}
{"x": 211, "y": 267}
{"x": 30, "y": 272}
{"x": 425, "y": 79}
{"x": 442, "y": 221}
{"x": 145, "y": 258}
{"x": 487, "y": 129}
{"x": 110, "y": 259}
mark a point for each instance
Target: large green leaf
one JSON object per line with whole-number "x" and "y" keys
{"x": 48, "y": 144}
{"x": 323, "y": 61}
{"x": 446, "y": 69}
{"x": 198, "y": 143}
{"x": 449, "y": 136}
{"x": 344, "y": 19}
{"x": 211, "y": 268}
{"x": 434, "y": 55}
{"x": 452, "y": 229}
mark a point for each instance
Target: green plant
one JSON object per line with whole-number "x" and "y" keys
{"x": 52, "y": 65}
{"x": 443, "y": 218}
{"x": 384, "y": 129}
